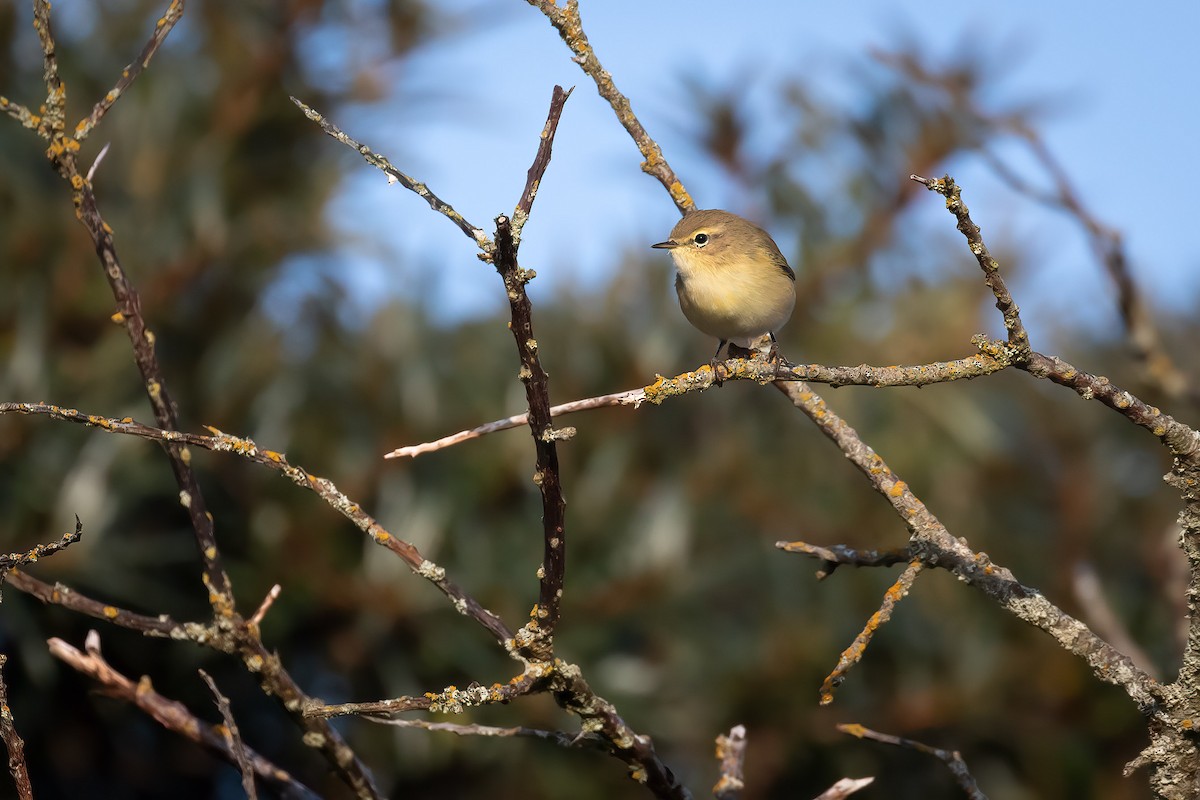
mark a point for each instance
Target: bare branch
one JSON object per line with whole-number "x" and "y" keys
{"x": 836, "y": 555}
{"x": 13, "y": 742}
{"x": 844, "y": 788}
{"x": 567, "y": 22}
{"x": 952, "y": 758}
{"x": 396, "y": 176}
{"x": 41, "y": 550}
{"x": 323, "y": 487}
{"x": 170, "y": 714}
{"x": 633, "y": 397}
{"x": 233, "y": 738}
{"x": 854, "y": 653}
{"x": 933, "y": 545}
{"x": 542, "y": 160}
{"x": 1017, "y": 337}
{"x": 163, "y": 27}
{"x": 561, "y": 738}
{"x": 731, "y": 750}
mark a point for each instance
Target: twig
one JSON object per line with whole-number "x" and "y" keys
{"x": 561, "y": 738}
{"x": 59, "y": 595}
{"x": 633, "y": 397}
{"x": 990, "y": 361}
{"x": 952, "y": 758}
{"x": 1109, "y": 247}
{"x": 163, "y": 27}
{"x": 265, "y": 606}
{"x": 450, "y": 700}
{"x": 396, "y": 176}
{"x": 731, "y": 751}
{"x": 248, "y": 450}
{"x": 836, "y": 555}
{"x": 13, "y": 742}
{"x": 854, "y": 653}
{"x": 41, "y": 550}
{"x": 537, "y": 637}
{"x": 567, "y": 22}
{"x": 54, "y": 115}
{"x": 1017, "y": 336}
{"x": 233, "y": 738}
{"x": 844, "y": 788}
{"x": 170, "y": 714}
{"x": 537, "y": 169}
{"x": 933, "y": 545}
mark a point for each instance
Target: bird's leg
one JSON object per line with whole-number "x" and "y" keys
{"x": 775, "y": 358}
{"x": 718, "y": 378}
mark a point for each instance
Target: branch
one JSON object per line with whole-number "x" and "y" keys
{"x": 933, "y": 545}
{"x": 731, "y": 751}
{"x": 41, "y": 551}
{"x": 854, "y": 653}
{"x": 170, "y": 714}
{"x": 1017, "y": 337}
{"x": 952, "y": 758}
{"x": 567, "y": 22}
{"x": 450, "y": 700}
{"x": 233, "y": 738}
{"x": 396, "y": 176}
{"x": 561, "y": 738}
{"x": 13, "y": 743}
{"x": 993, "y": 359}
{"x": 248, "y": 450}
{"x": 632, "y": 397}
{"x": 538, "y": 635}
{"x": 163, "y": 27}
{"x": 836, "y": 555}
{"x": 542, "y": 160}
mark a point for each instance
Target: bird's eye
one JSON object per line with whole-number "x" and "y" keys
{"x": 701, "y": 239}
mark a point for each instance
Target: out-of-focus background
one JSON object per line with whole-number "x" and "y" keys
{"x": 300, "y": 300}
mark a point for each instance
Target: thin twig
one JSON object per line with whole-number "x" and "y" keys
{"x": 233, "y": 738}
{"x": 952, "y": 758}
{"x": 570, "y": 27}
{"x": 731, "y": 752}
{"x": 1017, "y": 336}
{"x": 854, "y": 653}
{"x": 933, "y": 545}
{"x": 633, "y": 397}
{"x": 836, "y": 555}
{"x": 396, "y": 176}
{"x": 265, "y": 606}
{"x": 991, "y": 360}
{"x": 450, "y": 700}
{"x": 537, "y": 169}
{"x": 537, "y": 637}
{"x": 561, "y": 738}
{"x": 42, "y": 550}
{"x": 323, "y": 487}
{"x": 844, "y": 788}
{"x": 13, "y": 742}
{"x": 161, "y": 28}
{"x": 170, "y": 714}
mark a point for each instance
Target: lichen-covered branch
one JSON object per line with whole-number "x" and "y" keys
{"x": 248, "y": 450}
{"x": 41, "y": 550}
{"x": 951, "y": 758}
{"x": 172, "y": 715}
{"x": 567, "y": 22}
{"x": 13, "y": 743}
{"x": 396, "y": 176}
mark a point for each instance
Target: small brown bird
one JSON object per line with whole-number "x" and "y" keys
{"x": 733, "y": 283}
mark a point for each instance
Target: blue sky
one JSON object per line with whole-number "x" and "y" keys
{"x": 1126, "y": 133}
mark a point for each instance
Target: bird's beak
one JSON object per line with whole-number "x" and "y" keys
{"x": 669, "y": 244}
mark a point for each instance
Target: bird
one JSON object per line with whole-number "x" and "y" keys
{"x": 732, "y": 281}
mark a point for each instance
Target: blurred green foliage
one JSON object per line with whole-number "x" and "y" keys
{"x": 678, "y": 607}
